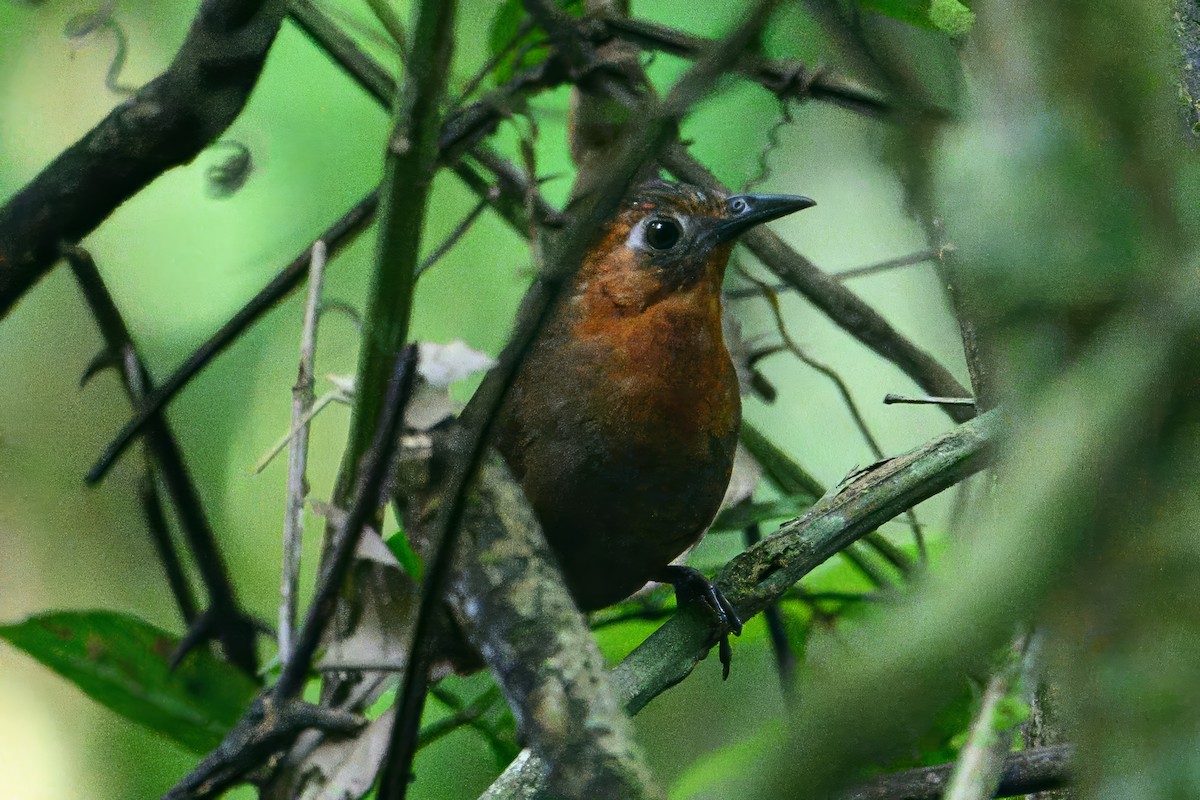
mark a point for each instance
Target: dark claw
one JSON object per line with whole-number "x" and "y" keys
{"x": 725, "y": 653}
{"x": 690, "y": 584}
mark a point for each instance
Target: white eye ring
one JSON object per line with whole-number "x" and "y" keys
{"x": 638, "y": 236}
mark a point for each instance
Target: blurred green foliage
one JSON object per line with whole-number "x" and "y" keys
{"x": 124, "y": 664}
{"x": 1063, "y": 187}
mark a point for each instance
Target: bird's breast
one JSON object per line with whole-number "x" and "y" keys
{"x": 622, "y": 430}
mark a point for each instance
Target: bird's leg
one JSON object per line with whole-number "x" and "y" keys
{"x": 690, "y": 584}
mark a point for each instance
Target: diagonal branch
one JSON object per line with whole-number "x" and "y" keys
{"x": 337, "y": 236}
{"x": 224, "y": 619}
{"x": 763, "y": 573}
{"x": 840, "y": 304}
{"x": 787, "y": 79}
{"x": 167, "y": 123}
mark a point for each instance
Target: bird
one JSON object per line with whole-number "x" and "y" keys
{"x": 622, "y": 421}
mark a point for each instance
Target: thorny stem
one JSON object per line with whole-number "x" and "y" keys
{"x": 367, "y": 498}
{"x": 224, "y": 619}
{"x": 297, "y": 484}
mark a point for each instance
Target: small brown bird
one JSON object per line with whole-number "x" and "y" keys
{"x": 622, "y": 423}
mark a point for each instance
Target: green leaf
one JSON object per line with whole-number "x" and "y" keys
{"x": 519, "y": 52}
{"x": 951, "y": 17}
{"x": 410, "y": 562}
{"x": 122, "y": 662}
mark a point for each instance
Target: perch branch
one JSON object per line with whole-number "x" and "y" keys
{"x": 763, "y": 573}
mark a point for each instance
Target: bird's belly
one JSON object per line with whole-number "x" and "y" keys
{"x": 624, "y": 452}
{"x": 616, "y": 513}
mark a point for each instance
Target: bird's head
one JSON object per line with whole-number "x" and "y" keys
{"x": 671, "y": 237}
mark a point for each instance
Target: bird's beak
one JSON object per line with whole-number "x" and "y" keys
{"x": 747, "y": 210}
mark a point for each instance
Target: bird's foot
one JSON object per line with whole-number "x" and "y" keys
{"x": 690, "y": 585}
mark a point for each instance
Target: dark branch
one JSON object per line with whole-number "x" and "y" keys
{"x": 224, "y": 619}
{"x": 337, "y": 236}
{"x": 787, "y": 79}
{"x": 167, "y": 123}
{"x": 326, "y": 33}
{"x": 1024, "y": 772}
{"x": 269, "y": 726}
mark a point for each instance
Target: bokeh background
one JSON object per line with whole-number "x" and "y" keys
{"x": 179, "y": 261}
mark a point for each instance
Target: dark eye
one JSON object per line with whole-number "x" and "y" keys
{"x": 662, "y": 234}
{"x": 738, "y": 205}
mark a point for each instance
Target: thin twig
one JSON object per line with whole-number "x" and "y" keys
{"x": 373, "y": 474}
{"x": 497, "y": 738}
{"x": 459, "y": 231}
{"x": 224, "y": 618}
{"x": 490, "y": 65}
{"x": 464, "y": 716}
{"x": 896, "y": 399}
{"x": 789, "y": 79}
{"x": 888, "y": 264}
{"x": 297, "y": 482}
{"x": 335, "y": 395}
{"x": 160, "y": 532}
{"x": 911, "y": 259}
{"x": 337, "y": 237}
{"x": 829, "y": 372}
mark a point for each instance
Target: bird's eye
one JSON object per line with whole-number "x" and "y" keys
{"x": 662, "y": 234}
{"x": 738, "y": 205}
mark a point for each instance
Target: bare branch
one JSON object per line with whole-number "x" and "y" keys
{"x": 167, "y": 123}
{"x": 763, "y": 573}
{"x": 373, "y": 474}
{"x": 297, "y": 482}
{"x": 224, "y": 619}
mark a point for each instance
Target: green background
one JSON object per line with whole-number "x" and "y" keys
{"x": 180, "y": 261}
